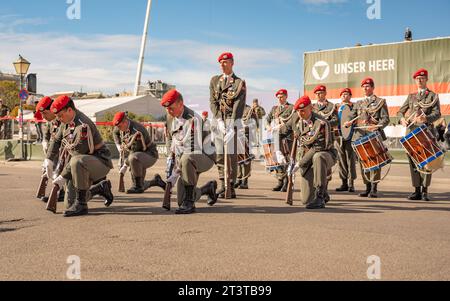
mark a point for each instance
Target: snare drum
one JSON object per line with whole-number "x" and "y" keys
{"x": 422, "y": 148}
{"x": 270, "y": 157}
{"x": 371, "y": 152}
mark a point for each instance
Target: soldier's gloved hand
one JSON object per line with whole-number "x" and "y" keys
{"x": 48, "y": 167}
{"x": 60, "y": 181}
{"x": 280, "y": 157}
{"x": 174, "y": 177}
{"x": 123, "y": 169}
{"x": 45, "y": 146}
{"x": 221, "y": 127}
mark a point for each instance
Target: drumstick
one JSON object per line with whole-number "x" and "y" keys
{"x": 412, "y": 123}
{"x": 353, "y": 120}
{"x": 368, "y": 126}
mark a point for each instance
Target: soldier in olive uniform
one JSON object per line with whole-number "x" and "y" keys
{"x": 373, "y": 116}
{"x": 278, "y": 123}
{"x": 346, "y": 154}
{"x": 426, "y": 109}
{"x": 227, "y": 102}
{"x": 194, "y": 153}
{"x": 245, "y": 157}
{"x": 137, "y": 151}
{"x": 4, "y": 111}
{"x": 325, "y": 108}
{"x": 83, "y": 156}
{"x": 316, "y": 155}
{"x": 257, "y": 115}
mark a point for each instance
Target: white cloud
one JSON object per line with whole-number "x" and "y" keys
{"x": 319, "y": 2}
{"x": 108, "y": 63}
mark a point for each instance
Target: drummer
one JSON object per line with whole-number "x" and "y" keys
{"x": 277, "y": 121}
{"x": 424, "y": 109}
{"x": 346, "y": 154}
{"x": 373, "y": 116}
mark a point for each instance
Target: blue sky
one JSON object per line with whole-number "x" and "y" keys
{"x": 99, "y": 51}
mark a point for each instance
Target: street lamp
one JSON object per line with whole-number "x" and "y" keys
{"x": 21, "y": 66}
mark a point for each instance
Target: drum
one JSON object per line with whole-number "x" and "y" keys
{"x": 344, "y": 115}
{"x": 371, "y": 152}
{"x": 423, "y": 149}
{"x": 270, "y": 156}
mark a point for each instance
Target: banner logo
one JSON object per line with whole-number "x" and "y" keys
{"x": 321, "y": 70}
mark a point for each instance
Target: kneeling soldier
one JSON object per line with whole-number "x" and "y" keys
{"x": 83, "y": 156}
{"x": 317, "y": 155}
{"x": 137, "y": 151}
{"x": 194, "y": 154}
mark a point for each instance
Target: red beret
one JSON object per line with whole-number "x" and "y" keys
{"x": 205, "y": 114}
{"x": 59, "y": 103}
{"x": 302, "y": 103}
{"x": 118, "y": 118}
{"x": 421, "y": 72}
{"x": 170, "y": 97}
{"x": 281, "y": 92}
{"x": 320, "y": 88}
{"x": 225, "y": 56}
{"x": 44, "y": 104}
{"x": 368, "y": 81}
{"x": 346, "y": 90}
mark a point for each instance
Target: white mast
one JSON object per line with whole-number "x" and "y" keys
{"x": 143, "y": 44}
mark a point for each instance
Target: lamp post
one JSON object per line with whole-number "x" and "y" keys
{"x": 21, "y": 66}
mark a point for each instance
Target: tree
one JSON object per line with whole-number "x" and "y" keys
{"x": 9, "y": 92}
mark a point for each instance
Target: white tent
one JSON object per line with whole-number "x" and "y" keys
{"x": 139, "y": 105}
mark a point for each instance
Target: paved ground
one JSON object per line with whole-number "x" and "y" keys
{"x": 256, "y": 237}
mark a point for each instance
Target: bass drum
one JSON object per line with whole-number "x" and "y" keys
{"x": 344, "y": 115}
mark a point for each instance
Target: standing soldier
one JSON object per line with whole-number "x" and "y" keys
{"x": 316, "y": 154}
{"x": 193, "y": 151}
{"x": 425, "y": 107}
{"x": 4, "y": 112}
{"x": 137, "y": 151}
{"x": 83, "y": 156}
{"x": 325, "y": 108}
{"x": 346, "y": 154}
{"x": 245, "y": 157}
{"x": 278, "y": 122}
{"x": 257, "y": 114}
{"x": 373, "y": 117}
{"x": 227, "y": 102}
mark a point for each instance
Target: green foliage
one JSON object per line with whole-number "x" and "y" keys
{"x": 9, "y": 92}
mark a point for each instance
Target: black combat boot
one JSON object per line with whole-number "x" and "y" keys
{"x": 221, "y": 191}
{"x": 367, "y": 192}
{"x": 80, "y": 205}
{"x": 326, "y": 197}
{"x": 233, "y": 192}
{"x": 285, "y": 184}
{"x": 351, "y": 186}
{"x": 344, "y": 187}
{"x": 210, "y": 190}
{"x": 279, "y": 186}
{"x": 238, "y": 183}
{"x": 157, "y": 181}
{"x": 416, "y": 196}
{"x": 103, "y": 189}
{"x": 138, "y": 186}
{"x": 244, "y": 184}
{"x": 374, "y": 191}
{"x": 319, "y": 201}
{"x": 425, "y": 194}
{"x": 188, "y": 206}
{"x": 61, "y": 195}
{"x": 44, "y": 199}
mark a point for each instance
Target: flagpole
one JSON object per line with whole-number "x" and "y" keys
{"x": 143, "y": 45}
